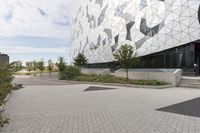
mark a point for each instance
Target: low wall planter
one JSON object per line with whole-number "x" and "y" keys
{"x": 171, "y": 76}
{"x": 97, "y": 71}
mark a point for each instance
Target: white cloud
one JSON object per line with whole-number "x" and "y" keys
{"x": 20, "y": 49}
{"x": 46, "y": 18}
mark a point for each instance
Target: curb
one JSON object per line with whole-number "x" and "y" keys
{"x": 109, "y": 84}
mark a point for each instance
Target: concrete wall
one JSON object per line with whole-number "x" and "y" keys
{"x": 95, "y": 71}
{"x": 167, "y": 75}
{"x": 172, "y": 77}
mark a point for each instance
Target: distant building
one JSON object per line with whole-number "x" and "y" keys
{"x": 4, "y": 59}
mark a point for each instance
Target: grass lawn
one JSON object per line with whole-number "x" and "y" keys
{"x": 113, "y": 79}
{"x": 32, "y": 72}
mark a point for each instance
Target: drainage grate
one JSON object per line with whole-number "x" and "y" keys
{"x": 190, "y": 108}
{"x": 96, "y": 88}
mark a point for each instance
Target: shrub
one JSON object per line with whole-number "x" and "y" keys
{"x": 5, "y": 76}
{"x": 3, "y": 121}
{"x": 3, "y": 93}
{"x": 6, "y": 87}
{"x": 96, "y": 78}
{"x": 113, "y": 79}
{"x": 69, "y": 73}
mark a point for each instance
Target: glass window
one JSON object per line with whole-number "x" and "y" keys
{"x": 167, "y": 61}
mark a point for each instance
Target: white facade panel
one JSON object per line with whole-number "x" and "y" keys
{"x": 99, "y": 27}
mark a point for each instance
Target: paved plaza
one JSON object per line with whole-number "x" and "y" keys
{"x": 68, "y": 108}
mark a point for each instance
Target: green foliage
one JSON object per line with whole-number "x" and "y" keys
{"x": 34, "y": 73}
{"x": 61, "y": 64}
{"x": 34, "y": 64}
{"x": 69, "y": 73}
{"x": 50, "y": 66}
{"x": 96, "y": 78}
{"x": 16, "y": 66}
{"x": 4, "y": 92}
{"x": 6, "y": 72}
{"x": 29, "y": 66}
{"x": 80, "y": 60}
{"x": 40, "y": 66}
{"x": 3, "y": 121}
{"x": 5, "y": 76}
{"x": 125, "y": 57}
{"x": 113, "y": 79}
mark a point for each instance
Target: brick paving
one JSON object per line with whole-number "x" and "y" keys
{"x": 70, "y": 109}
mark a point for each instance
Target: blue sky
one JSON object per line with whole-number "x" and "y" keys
{"x": 35, "y": 29}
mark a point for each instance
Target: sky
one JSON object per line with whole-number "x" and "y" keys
{"x": 35, "y": 29}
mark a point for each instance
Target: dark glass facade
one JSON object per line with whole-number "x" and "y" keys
{"x": 112, "y": 65}
{"x": 197, "y": 57}
{"x": 182, "y": 57}
{"x": 179, "y": 57}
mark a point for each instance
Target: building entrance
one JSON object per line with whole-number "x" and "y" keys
{"x": 197, "y": 53}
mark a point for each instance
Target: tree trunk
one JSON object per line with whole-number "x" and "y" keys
{"x": 127, "y": 74}
{"x": 34, "y": 74}
{"x": 41, "y": 73}
{"x": 50, "y": 74}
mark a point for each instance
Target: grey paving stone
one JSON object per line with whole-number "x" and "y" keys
{"x": 68, "y": 109}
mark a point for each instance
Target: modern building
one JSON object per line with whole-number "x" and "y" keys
{"x": 4, "y": 59}
{"x": 164, "y": 33}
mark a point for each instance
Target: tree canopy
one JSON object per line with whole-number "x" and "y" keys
{"x": 61, "y": 64}
{"x": 126, "y": 57}
{"x": 80, "y": 60}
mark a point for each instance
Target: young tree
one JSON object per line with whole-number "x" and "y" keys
{"x": 80, "y": 60}
{"x": 61, "y": 64}
{"x": 125, "y": 57}
{"x": 41, "y": 67}
{"x": 50, "y": 67}
{"x": 34, "y": 64}
{"x": 29, "y": 66}
{"x": 18, "y": 65}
